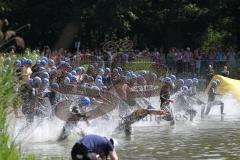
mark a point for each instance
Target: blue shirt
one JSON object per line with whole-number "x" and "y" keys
{"x": 96, "y": 144}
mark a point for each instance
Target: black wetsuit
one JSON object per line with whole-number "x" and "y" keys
{"x": 183, "y": 104}
{"x": 165, "y": 96}
{"x": 28, "y": 100}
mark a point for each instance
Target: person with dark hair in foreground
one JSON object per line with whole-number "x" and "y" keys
{"x": 94, "y": 147}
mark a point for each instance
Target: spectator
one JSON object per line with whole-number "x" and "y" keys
{"x": 211, "y": 56}
{"x": 220, "y": 57}
{"x": 210, "y": 74}
{"x": 170, "y": 60}
{"x": 231, "y": 57}
{"x": 179, "y": 64}
{"x": 186, "y": 59}
{"x": 225, "y": 72}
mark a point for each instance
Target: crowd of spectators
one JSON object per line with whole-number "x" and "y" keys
{"x": 196, "y": 62}
{"x": 193, "y": 62}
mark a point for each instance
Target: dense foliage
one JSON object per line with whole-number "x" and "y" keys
{"x": 152, "y": 23}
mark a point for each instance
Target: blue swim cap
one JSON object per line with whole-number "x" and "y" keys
{"x": 69, "y": 75}
{"x": 73, "y": 72}
{"x": 45, "y": 59}
{"x": 107, "y": 70}
{"x": 195, "y": 81}
{"x": 51, "y": 62}
{"x": 54, "y": 68}
{"x": 43, "y": 62}
{"x": 66, "y": 80}
{"x": 23, "y": 59}
{"x": 41, "y": 69}
{"x": 218, "y": 82}
{"x": 29, "y": 62}
{"x": 73, "y": 78}
{"x": 189, "y": 82}
{"x": 79, "y": 69}
{"x": 45, "y": 75}
{"x": 173, "y": 77}
{"x": 180, "y": 81}
{"x": 101, "y": 71}
{"x": 214, "y": 84}
{"x": 55, "y": 86}
{"x": 85, "y": 101}
{"x": 52, "y": 72}
{"x": 38, "y": 62}
{"x": 61, "y": 63}
{"x": 167, "y": 79}
{"x": 37, "y": 80}
{"x": 18, "y": 63}
{"x": 30, "y": 81}
{"x": 184, "y": 89}
{"x": 98, "y": 77}
{"x": 98, "y": 82}
{"x": 45, "y": 81}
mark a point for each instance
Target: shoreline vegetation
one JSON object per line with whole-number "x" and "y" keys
{"x": 10, "y": 150}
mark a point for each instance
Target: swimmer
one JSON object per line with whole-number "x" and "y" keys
{"x": 183, "y": 102}
{"x": 122, "y": 88}
{"x": 211, "y": 98}
{"x": 138, "y": 115}
{"x": 94, "y": 147}
{"x": 165, "y": 93}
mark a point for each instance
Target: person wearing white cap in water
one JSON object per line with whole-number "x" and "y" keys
{"x": 94, "y": 147}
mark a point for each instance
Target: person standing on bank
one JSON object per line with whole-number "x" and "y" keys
{"x": 94, "y": 147}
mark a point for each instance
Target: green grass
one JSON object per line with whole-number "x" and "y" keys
{"x": 9, "y": 150}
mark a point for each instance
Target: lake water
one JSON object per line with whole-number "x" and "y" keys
{"x": 211, "y": 138}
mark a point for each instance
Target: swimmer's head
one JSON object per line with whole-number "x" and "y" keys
{"x": 189, "y": 82}
{"x": 218, "y": 82}
{"x": 45, "y": 75}
{"x": 180, "y": 82}
{"x": 54, "y": 87}
{"x": 173, "y": 77}
{"x": 73, "y": 72}
{"x": 214, "y": 84}
{"x": 195, "y": 81}
{"x": 66, "y": 80}
{"x": 85, "y": 101}
{"x": 37, "y": 82}
{"x": 17, "y": 64}
{"x": 185, "y": 89}
{"x": 51, "y": 62}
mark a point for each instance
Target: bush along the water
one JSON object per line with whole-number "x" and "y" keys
{"x": 8, "y": 149}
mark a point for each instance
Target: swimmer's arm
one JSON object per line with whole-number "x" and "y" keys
{"x": 113, "y": 155}
{"x": 156, "y": 112}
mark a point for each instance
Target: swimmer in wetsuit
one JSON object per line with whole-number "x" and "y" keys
{"x": 136, "y": 116}
{"x": 165, "y": 93}
{"x": 211, "y": 98}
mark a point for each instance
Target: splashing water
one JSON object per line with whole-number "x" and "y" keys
{"x": 40, "y": 138}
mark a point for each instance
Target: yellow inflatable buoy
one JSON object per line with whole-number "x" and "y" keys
{"x": 227, "y": 85}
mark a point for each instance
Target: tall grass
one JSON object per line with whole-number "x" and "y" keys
{"x": 8, "y": 149}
